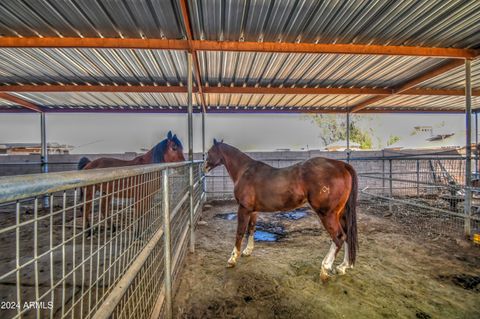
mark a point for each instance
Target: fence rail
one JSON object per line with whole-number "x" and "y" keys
{"x": 96, "y": 244}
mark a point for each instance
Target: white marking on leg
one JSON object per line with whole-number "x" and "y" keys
{"x": 233, "y": 258}
{"x": 327, "y": 262}
{"x": 346, "y": 262}
{"x": 249, "y": 249}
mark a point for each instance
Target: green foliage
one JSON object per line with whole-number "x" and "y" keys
{"x": 392, "y": 139}
{"x": 334, "y": 128}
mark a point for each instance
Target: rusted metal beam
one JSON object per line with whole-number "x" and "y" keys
{"x": 204, "y": 45}
{"x": 428, "y": 91}
{"x": 21, "y": 102}
{"x": 107, "y": 43}
{"x": 294, "y": 90}
{"x": 334, "y": 49}
{"x": 196, "y": 64}
{"x": 229, "y": 90}
{"x": 95, "y": 88}
{"x": 450, "y": 65}
{"x": 259, "y": 110}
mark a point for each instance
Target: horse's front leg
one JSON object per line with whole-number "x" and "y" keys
{"x": 251, "y": 234}
{"x": 242, "y": 218}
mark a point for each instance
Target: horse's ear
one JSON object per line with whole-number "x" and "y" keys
{"x": 215, "y": 141}
{"x": 169, "y": 135}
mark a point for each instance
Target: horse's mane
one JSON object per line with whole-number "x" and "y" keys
{"x": 159, "y": 149}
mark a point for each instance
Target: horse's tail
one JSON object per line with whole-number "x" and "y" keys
{"x": 351, "y": 217}
{"x": 82, "y": 163}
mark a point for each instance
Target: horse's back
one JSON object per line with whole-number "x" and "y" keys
{"x": 106, "y": 162}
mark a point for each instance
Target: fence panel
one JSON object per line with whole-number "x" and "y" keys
{"x": 90, "y": 244}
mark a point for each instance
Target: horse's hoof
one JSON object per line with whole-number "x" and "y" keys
{"x": 230, "y": 264}
{"x": 246, "y": 253}
{"x": 325, "y": 275}
{"x": 341, "y": 270}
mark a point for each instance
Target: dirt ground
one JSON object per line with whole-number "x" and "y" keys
{"x": 399, "y": 273}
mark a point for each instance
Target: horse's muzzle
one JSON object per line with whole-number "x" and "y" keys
{"x": 206, "y": 167}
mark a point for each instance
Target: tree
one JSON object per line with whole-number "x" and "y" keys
{"x": 334, "y": 128}
{"x": 392, "y": 139}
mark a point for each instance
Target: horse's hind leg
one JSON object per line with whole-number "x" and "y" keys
{"x": 251, "y": 234}
{"x": 334, "y": 228}
{"x": 342, "y": 268}
{"x": 242, "y": 219}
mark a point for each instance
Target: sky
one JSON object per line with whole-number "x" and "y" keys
{"x": 118, "y": 133}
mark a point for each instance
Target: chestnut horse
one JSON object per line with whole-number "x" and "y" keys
{"x": 329, "y": 186}
{"x": 167, "y": 151}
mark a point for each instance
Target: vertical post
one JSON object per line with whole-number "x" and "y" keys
{"x": 390, "y": 184}
{"x": 204, "y": 155}
{"x": 167, "y": 244}
{"x": 203, "y": 135}
{"x": 468, "y": 147}
{"x": 44, "y": 151}
{"x": 348, "y": 137}
{"x": 383, "y": 172}
{"x": 418, "y": 177}
{"x": 476, "y": 145}
{"x": 190, "y": 150}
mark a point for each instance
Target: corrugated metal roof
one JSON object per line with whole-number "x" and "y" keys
{"x": 455, "y": 79}
{"x": 113, "y": 101}
{"x": 91, "y": 18}
{"x": 309, "y": 70}
{"x": 92, "y": 66}
{"x": 434, "y": 23}
{"x": 339, "y": 102}
{"x": 412, "y": 102}
{"x": 407, "y": 22}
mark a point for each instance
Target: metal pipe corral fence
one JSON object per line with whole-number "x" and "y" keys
{"x": 110, "y": 244}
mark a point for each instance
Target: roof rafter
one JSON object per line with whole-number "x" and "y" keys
{"x": 206, "y": 45}
{"x": 451, "y": 64}
{"x": 196, "y": 65}
{"x": 229, "y": 90}
{"x": 21, "y": 102}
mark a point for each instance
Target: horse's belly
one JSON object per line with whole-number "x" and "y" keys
{"x": 279, "y": 200}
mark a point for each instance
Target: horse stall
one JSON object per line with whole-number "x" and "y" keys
{"x": 154, "y": 241}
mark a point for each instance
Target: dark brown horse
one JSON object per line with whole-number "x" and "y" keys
{"x": 329, "y": 186}
{"x": 167, "y": 151}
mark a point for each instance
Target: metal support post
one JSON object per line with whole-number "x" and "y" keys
{"x": 348, "y": 137}
{"x": 44, "y": 151}
{"x": 190, "y": 150}
{"x": 203, "y": 136}
{"x": 390, "y": 184}
{"x": 468, "y": 148}
{"x": 167, "y": 245}
{"x": 476, "y": 145}
{"x": 418, "y": 177}
{"x": 383, "y": 172}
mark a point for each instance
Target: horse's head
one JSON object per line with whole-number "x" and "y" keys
{"x": 214, "y": 156}
{"x": 172, "y": 149}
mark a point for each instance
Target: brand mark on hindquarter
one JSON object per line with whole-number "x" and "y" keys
{"x": 326, "y": 189}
